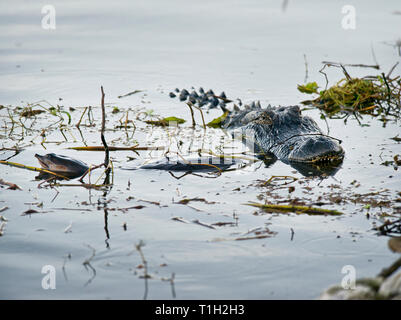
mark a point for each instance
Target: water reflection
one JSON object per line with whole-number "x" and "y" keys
{"x": 47, "y": 176}
{"x": 219, "y": 165}
{"x": 315, "y": 170}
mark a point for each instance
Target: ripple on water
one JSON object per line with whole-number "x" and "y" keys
{"x": 339, "y": 246}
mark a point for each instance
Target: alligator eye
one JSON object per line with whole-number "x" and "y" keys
{"x": 264, "y": 118}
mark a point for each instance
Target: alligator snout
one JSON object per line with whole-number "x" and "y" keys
{"x": 318, "y": 148}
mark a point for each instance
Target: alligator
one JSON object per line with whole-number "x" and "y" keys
{"x": 281, "y": 132}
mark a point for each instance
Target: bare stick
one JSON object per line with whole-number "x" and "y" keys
{"x": 340, "y": 65}
{"x": 11, "y": 185}
{"x": 189, "y": 104}
{"x": 282, "y": 177}
{"x": 386, "y": 272}
{"x": 89, "y": 170}
{"x": 388, "y": 93}
{"x": 346, "y": 73}
{"x": 106, "y": 148}
{"x": 146, "y": 275}
{"x": 306, "y": 69}
{"x": 80, "y": 119}
{"x": 87, "y": 264}
{"x": 18, "y": 165}
{"x": 203, "y": 119}
{"x": 101, "y": 148}
{"x": 374, "y": 56}
{"x": 391, "y": 70}
{"x": 325, "y": 75}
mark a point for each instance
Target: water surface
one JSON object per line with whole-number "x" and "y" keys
{"x": 250, "y": 49}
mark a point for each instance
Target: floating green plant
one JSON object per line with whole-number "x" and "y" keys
{"x": 165, "y": 122}
{"x": 216, "y": 123}
{"x": 374, "y": 95}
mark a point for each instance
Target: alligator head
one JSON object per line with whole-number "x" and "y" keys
{"x": 284, "y": 132}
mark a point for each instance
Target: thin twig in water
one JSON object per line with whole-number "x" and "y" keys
{"x": 106, "y": 228}
{"x": 386, "y": 272}
{"x": 189, "y": 104}
{"x": 87, "y": 264}
{"x": 10, "y": 185}
{"x": 196, "y": 221}
{"x": 342, "y": 65}
{"x": 171, "y": 280}
{"x": 203, "y": 119}
{"x": 89, "y": 171}
{"x": 374, "y": 55}
{"x": 325, "y": 75}
{"x": 14, "y": 164}
{"x": 306, "y": 69}
{"x": 67, "y": 257}
{"x": 111, "y": 148}
{"x": 3, "y": 209}
{"x": 392, "y": 69}
{"x": 2, "y": 227}
{"x": 80, "y": 119}
{"x": 388, "y": 92}
{"x": 145, "y": 276}
{"x": 282, "y": 177}
{"x": 106, "y": 148}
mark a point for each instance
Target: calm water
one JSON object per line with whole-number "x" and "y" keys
{"x": 250, "y": 49}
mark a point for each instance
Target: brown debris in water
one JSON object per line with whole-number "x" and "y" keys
{"x": 11, "y": 186}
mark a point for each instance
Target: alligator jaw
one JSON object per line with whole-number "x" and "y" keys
{"x": 329, "y": 158}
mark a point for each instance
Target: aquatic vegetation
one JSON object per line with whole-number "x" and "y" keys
{"x": 165, "y": 121}
{"x": 294, "y": 208}
{"x": 28, "y": 112}
{"x": 257, "y": 233}
{"x": 396, "y": 162}
{"x": 129, "y": 94}
{"x": 217, "y": 122}
{"x": 112, "y": 148}
{"x": 374, "y": 95}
